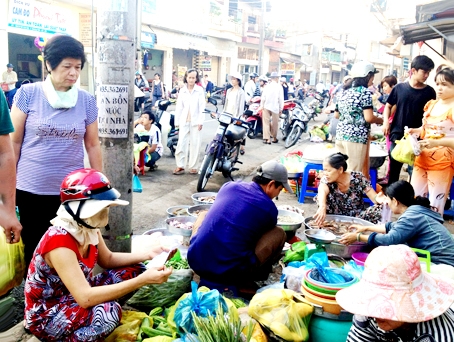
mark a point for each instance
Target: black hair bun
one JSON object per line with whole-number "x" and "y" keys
{"x": 343, "y": 155}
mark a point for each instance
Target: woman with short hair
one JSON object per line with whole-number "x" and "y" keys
{"x": 53, "y": 121}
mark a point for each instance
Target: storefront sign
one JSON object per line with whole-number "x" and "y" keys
{"x": 205, "y": 63}
{"x": 181, "y": 71}
{"x": 85, "y": 29}
{"x": 288, "y": 68}
{"x": 112, "y": 102}
{"x": 36, "y": 17}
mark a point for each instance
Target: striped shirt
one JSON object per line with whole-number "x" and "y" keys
{"x": 53, "y": 139}
{"x": 365, "y": 329}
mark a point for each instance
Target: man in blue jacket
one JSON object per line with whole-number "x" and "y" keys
{"x": 238, "y": 240}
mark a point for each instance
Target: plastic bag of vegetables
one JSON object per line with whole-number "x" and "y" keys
{"x": 165, "y": 294}
{"x": 12, "y": 265}
{"x": 201, "y": 302}
{"x": 278, "y": 311}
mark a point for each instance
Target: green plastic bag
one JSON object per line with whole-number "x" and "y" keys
{"x": 12, "y": 263}
{"x": 296, "y": 252}
{"x": 165, "y": 294}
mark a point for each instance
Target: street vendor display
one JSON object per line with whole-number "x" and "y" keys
{"x": 396, "y": 301}
{"x": 238, "y": 239}
{"x": 63, "y": 300}
{"x": 418, "y": 226}
{"x": 341, "y": 192}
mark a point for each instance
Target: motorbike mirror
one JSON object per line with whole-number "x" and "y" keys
{"x": 213, "y": 101}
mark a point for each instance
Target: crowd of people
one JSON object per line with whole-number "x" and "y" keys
{"x": 54, "y": 120}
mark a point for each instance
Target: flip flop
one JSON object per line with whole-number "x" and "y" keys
{"x": 193, "y": 171}
{"x": 178, "y": 171}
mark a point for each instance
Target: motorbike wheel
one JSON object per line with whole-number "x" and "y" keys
{"x": 205, "y": 172}
{"x": 293, "y": 136}
{"x": 252, "y": 132}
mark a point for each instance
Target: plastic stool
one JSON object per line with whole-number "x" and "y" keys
{"x": 304, "y": 187}
{"x": 373, "y": 173}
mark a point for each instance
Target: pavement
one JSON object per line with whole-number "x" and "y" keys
{"x": 162, "y": 189}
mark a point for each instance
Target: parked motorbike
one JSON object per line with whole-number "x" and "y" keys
{"x": 253, "y": 117}
{"x": 223, "y": 151}
{"x": 298, "y": 124}
{"x": 285, "y": 117}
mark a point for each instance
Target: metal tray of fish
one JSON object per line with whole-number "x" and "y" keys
{"x": 337, "y": 219}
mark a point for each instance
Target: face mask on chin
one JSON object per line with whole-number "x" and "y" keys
{"x": 59, "y": 99}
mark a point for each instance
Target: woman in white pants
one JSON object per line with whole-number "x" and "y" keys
{"x": 189, "y": 117}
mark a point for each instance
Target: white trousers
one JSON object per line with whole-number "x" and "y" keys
{"x": 189, "y": 141}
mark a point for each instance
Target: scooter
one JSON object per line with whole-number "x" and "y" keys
{"x": 253, "y": 117}
{"x": 298, "y": 124}
{"x": 285, "y": 117}
{"x": 223, "y": 151}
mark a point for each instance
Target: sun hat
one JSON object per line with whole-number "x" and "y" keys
{"x": 283, "y": 79}
{"x": 275, "y": 171}
{"x": 274, "y": 74}
{"x": 237, "y": 75}
{"x": 393, "y": 287}
{"x": 9, "y": 65}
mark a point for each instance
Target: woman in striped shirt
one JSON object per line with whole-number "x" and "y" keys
{"x": 53, "y": 121}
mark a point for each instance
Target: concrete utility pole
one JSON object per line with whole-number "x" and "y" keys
{"x": 116, "y": 38}
{"x": 261, "y": 70}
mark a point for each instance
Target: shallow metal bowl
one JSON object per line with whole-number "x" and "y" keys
{"x": 192, "y": 210}
{"x": 195, "y": 197}
{"x": 182, "y": 219}
{"x": 297, "y": 218}
{"x": 319, "y": 235}
{"x": 182, "y": 210}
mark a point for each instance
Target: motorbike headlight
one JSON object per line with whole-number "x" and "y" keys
{"x": 225, "y": 118}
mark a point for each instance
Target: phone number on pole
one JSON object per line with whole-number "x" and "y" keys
{"x": 113, "y": 111}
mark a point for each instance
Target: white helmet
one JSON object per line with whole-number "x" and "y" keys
{"x": 263, "y": 78}
{"x": 362, "y": 69}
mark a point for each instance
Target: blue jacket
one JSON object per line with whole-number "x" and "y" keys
{"x": 419, "y": 227}
{"x": 224, "y": 246}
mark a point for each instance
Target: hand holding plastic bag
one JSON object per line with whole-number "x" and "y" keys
{"x": 406, "y": 149}
{"x": 12, "y": 265}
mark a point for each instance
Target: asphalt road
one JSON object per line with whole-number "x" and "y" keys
{"x": 162, "y": 189}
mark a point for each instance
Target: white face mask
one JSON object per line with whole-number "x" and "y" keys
{"x": 59, "y": 99}
{"x": 84, "y": 236}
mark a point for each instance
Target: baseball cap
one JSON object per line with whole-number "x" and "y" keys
{"x": 275, "y": 171}
{"x": 9, "y": 65}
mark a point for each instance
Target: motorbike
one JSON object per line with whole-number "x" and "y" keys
{"x": 299, "y": 120}
{"x": 254, "y": 118}
{"x": 285, "y": 117}
{"x": 222, "y": 153}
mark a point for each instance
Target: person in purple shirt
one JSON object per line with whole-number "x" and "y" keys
{"x": 238, "y": 240}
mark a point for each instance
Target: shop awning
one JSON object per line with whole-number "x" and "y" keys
{"x": 148, "y": 38}
{"x": 427, "y": 30}
{"x": 389, "y": 41}
{"x": 291, "y": 59}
